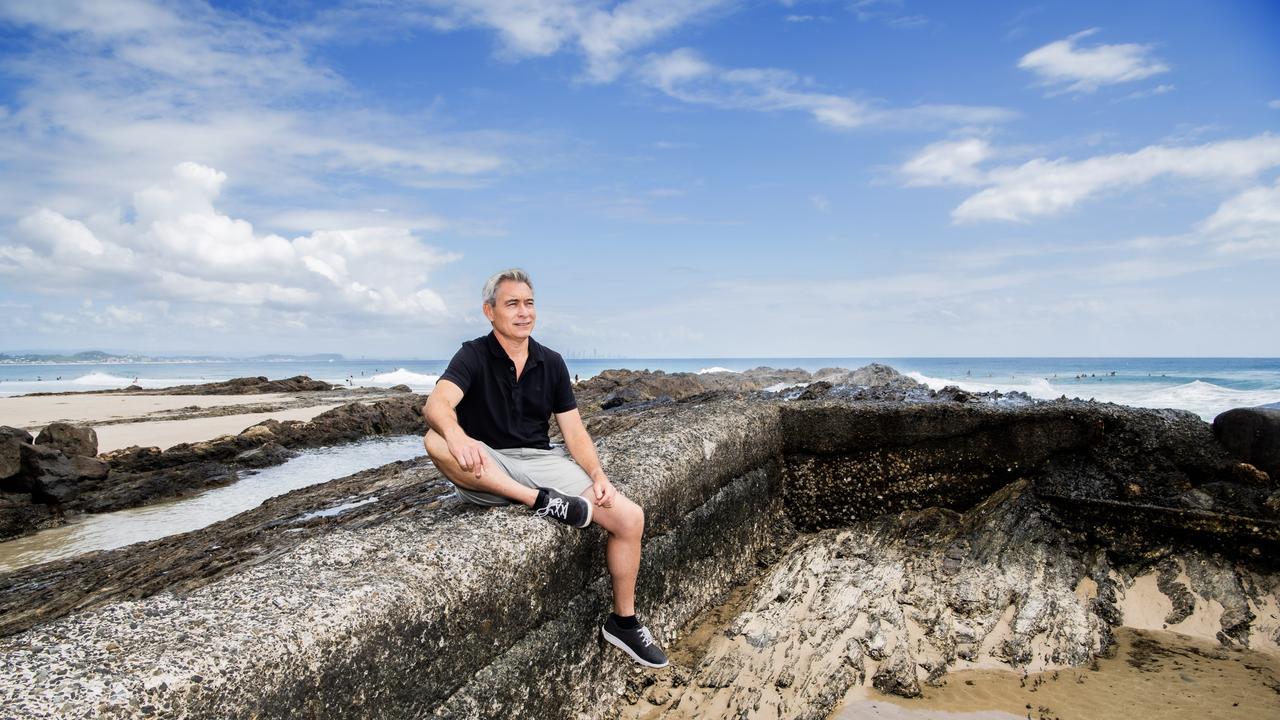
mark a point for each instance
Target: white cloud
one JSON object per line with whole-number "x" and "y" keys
{"x": 1064, "y": 65}
{"x": 1274, "y": 104}
{"x": 603, "y": 35}
{"x": 948, "y": 162}
{"x": 1151, "y": 92}
{"x": 887, "y": 11}
{"x": 341, "y": 219}
{"x": 1249, "y": 223}
{"x": 684, "y": 75}
{"x": 1043, "y": 187}
{"x": 111, "y": 94}
{"x": 820, "y": 202}
{"x": 178, "y": 247}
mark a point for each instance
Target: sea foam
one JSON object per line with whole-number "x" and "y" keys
{"x": 101, "y": 379}
{"x": 404, "y": 377}
{"x": 716, "y": 369}
{"x": 1034, "y": 386}
{"x": 1202, "y": 398}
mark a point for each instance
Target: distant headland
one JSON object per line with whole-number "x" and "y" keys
{"x": 97, "y": 357}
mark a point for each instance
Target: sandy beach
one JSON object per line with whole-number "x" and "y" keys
{"x": 163, "y": 421}
{"x": 1153, "y": 674}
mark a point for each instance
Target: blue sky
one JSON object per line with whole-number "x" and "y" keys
{"x": 696, "y": 178}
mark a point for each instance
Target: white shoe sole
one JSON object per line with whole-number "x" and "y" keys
{"x": 616, "y": 642}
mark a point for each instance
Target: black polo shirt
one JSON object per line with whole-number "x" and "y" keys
{"x": 497, "y": 409}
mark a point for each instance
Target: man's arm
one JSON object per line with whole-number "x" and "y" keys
{"x": 583, "y": 450}
{"x": 442, "y": 417}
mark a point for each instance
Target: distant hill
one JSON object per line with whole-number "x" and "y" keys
{"x": 99, "y": 357}
{"x": 91, "y": 356}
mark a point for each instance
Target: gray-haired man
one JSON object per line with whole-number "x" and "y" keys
{"x": 489, "y": 416}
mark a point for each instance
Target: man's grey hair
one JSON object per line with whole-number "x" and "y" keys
{"x": 490, "y": 292}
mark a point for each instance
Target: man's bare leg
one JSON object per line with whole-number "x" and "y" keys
{"x": 624, "y": 521}
{"x": 625, "y": 524}
{"x": 491, "y": 480}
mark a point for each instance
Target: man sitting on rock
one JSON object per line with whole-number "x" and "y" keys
{"x": 489, "y": 416}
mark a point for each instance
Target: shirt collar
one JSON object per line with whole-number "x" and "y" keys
{"x": 495, "y": 348}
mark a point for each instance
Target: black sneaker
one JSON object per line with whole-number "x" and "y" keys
{"x": 637, "y": 643}
{"x": 555, "y": 505}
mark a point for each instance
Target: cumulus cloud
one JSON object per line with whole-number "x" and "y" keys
{"x": 178, "y": 247}
{"x": 1043, "y": 187}
{"x": 1067, "y": 67}
{"x": 684, "y": 75}
{"x": 110, "y": 94}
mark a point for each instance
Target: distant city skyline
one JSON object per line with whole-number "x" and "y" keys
{"x": 697, "y": 179}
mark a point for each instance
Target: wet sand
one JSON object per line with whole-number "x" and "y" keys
{"x": 1154, "y": 674}
{"x": 35, "y": 411}
{"x": 162, "y": 420}
{"x": 165, "y": 434}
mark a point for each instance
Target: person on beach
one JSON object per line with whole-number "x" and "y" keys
{"x": 488, "y": 417}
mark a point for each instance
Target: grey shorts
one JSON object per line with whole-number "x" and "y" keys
{"x": 533, "y": 468}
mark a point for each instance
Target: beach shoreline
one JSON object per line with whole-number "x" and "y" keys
{"x": 151, "y": 420}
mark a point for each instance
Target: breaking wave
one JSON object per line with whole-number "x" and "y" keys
{"x": 404, "y": 377}
{"x": 1202, "y": 398}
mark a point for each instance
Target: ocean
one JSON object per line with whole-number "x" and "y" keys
{"x": 1205, "y": 386}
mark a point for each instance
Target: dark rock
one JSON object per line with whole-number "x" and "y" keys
{"x": 952, "y": 393}
{"x": 70, "y": 440}
{"x": 20, "y": 515}
{"x": 400, "y": 388}
{"x": 134, "y": 489}
{"x": 11, "y": 440}
{"x": 264, "y": 456}
{"x": 1197, "y": 499}
{"x": 814, "y": 391}
{"x": 249, "y": 386}
{"x": 52, "y": 477}
{"x": 615, "y": 388}
{"x": 135, "y": 458}
{"x": 1252, "y": 435}
{"x": 622, "y": 396}
{"x": 1184, "y": 603}
{"x": 897, "y": 675}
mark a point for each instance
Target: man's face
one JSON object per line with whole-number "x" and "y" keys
{"x": 512, "y": 314}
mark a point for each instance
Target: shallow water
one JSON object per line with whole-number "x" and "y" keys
{"x": 1152, "y": 675}
{"x": 116, "y": 529}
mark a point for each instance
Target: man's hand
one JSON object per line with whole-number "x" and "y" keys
{"x": 603, "y": 490}
{"x": 469, "y": 454}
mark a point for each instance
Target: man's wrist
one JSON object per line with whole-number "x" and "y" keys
{"x": 597, "y": 475}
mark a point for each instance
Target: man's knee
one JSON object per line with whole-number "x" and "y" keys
{"x": 437, "y": 448}
{"x": 632, "y": 520}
